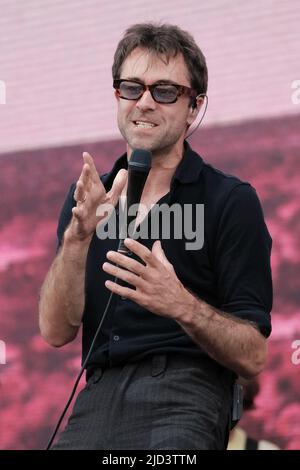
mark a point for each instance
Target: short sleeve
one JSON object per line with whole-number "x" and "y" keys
{"x": 65, "y": 215}
{"x": 242, "y": 258}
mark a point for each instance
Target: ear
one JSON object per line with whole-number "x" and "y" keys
{"x": 194, "y": 110}
{"x": 117, "y": 96}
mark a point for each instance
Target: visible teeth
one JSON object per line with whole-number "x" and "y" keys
{"x": 144, "y": 124}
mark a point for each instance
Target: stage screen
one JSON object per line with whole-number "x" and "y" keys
{"x": 56, "y": 101}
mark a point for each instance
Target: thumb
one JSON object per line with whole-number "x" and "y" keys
{"x": 117, "y": 187}
{"x": 159, "y": 254}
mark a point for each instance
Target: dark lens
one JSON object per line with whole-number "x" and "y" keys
{"x": 131, "y": 90}
{"x": 165, "y": 93}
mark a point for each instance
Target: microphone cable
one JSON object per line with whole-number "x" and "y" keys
{"x": 139, "y": 166}
{"x": 83, "y": 366}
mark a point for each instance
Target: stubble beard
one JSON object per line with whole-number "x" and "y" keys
{"x": 159, "y": 145}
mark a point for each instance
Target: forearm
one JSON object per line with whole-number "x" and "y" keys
{"x": 231, "y": 341}
{"x": 62, "y": 295}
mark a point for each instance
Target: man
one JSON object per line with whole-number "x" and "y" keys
{"x": 162, "y": 369}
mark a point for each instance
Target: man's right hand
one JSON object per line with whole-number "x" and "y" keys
{"x": 89, "y": 195}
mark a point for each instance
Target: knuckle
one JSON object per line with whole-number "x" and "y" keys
{"x": 129, "y": 277}
{"x": 140, "y": 269}
{"x": 146, "y": 302}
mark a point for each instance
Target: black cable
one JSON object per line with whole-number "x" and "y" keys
{"x": 196, "y": 127}
{"x": 82, "y": 367}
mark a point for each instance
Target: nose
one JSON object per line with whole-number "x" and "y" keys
{"x": 146, "y": 101}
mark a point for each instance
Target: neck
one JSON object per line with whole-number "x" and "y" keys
{"x": 164, "y": 164}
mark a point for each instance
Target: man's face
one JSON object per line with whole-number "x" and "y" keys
{"x": 167, "y": 123}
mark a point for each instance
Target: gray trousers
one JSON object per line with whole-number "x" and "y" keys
{"x": 162, "y": 402}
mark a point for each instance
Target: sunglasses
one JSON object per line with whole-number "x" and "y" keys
{"x": 166, "y": 93}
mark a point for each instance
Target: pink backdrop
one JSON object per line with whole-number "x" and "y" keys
{"x": 36, "y": 380}
{"x": 55, "y": 62}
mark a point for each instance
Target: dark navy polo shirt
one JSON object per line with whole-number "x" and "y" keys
{"x": 231, "y": 271}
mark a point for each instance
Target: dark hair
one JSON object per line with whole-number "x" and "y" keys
{"x": 167, "y": 40}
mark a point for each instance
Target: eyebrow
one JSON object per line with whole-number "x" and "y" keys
{"x": 157, "y": 82}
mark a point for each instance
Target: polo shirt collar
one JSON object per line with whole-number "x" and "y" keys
{"x": 190, "y": 167}
{"x": 188, "y": 170}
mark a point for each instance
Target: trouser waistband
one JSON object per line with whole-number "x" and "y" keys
{"x": 158, "y": 363}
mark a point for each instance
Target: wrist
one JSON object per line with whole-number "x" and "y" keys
{"x": 188, "y": 311}
{"x": 73, "y": 242}
{"x": 75, "y": 250}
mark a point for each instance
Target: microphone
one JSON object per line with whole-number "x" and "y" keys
{"x": 139, "y": 166}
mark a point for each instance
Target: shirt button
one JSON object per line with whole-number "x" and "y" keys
{"x": 116, "y": 338}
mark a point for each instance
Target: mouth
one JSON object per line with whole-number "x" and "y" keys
{"x": 144, "y": 124}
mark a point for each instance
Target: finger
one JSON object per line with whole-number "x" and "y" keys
{"x": 80, "y": 192}
{"x": 79, "y": 212}
{"x": 142, "y": 251}
{"x": 126, "y": 262}
{"x": 121, "y": 290}
{"x": 122, "y": 274}
{"x": 88, "y": 159}
{"x": 117, "y": 187}
{"x": 85, "y": 177}
{"x": 83, "y": 182}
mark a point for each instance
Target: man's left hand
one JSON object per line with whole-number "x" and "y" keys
{"x": 156, "y": 286}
